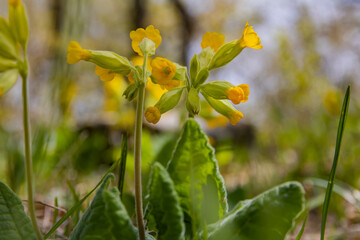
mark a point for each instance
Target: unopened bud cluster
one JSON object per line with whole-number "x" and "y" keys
{"x": 13, "y": 33}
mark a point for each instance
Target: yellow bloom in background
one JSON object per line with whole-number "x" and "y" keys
{"x": 332, "y": 102}
{"x": 250, "y": 38}
{"x": 137, "y": 36}
{"x": 246, "y": 90}
{"x": 213, "y": 40}
{"x": 235, "y": 117}
{"x": 155, "y": 90}
{"x": 217, "y": 121}
{"x": 152, "y": 115}
{"x": 235, "y": 95}
{"x": 105, "y": 74}
{"x": 76, "y": 53}
{"x": 1, "y": 92}
{"x": 164, "y": 71}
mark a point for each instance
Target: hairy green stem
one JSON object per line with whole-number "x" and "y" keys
{"x": 137, "y": 152}
{"x": 28, "y": 158}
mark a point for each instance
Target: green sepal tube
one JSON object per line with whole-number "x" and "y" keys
{"x": 216, "y": 89}
{"x": 6, "y": 64}
{"x": 201, "y": 77}
{"x": 193, "y": 101}
{"x": 223, "y": 107}
{"x": 225, "y": 54}
{"x": 7, "y": 41}
{"x": 180, "y": 73}
{"x": 8, "y": 80}
{"x": 194, "y": 67}
{"x": 169, "y": 99}
{"x": 131, "y": 91}
{"x": 111, "y": 61}
{"x": 19, "y": 23}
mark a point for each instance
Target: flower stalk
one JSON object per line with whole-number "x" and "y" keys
{"x": 137, "y": 151}
{"x": 27, "y": 142}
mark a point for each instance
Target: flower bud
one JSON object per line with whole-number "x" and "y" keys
{"x": 152, "y": 115}
{"x": 147, "y": 47}
{"x": 194, "y": 67}
{"x": 201, "y": 77}
{"x": 131, "y": 92}
{"x": 7, "y": 41}
{"x": 6, "y": 64}
{"x": 169, "y": 99}
{"x": 193, "y": 101}
{"x": 180, "y": 73}
{"x": 225, "y": 108}
{"x": 225, "y": 54}
{"x": 18, "y": 21}
{"x": 8, "y": 80}
{"x": 205, "y": 57}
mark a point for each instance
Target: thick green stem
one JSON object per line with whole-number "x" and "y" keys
{"x": 137, "y": 153}
{"x": 28, "y": 158}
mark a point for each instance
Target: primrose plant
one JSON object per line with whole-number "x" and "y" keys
{"x": 186, "y": 195}
{"x": 187, "y": 198}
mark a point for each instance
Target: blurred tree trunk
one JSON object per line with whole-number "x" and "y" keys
{"x": 186, "y": 29}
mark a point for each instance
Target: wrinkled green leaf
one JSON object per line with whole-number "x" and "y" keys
{"x": 195, "y": 173}
{"x": 94, "y": 224}
{"x": 268, "y": 216}
{"x": 106, "y": 218}
{"x": 14, "y": 223}
{"x": 163, "y": 212}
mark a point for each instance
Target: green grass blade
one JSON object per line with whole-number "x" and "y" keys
{"x": 122, "y": 167}
{"x": 79, "y": 203}
{"x": 330, "y": 185}
{"x": 298, "y": 237}
{"x": 56, "y": 211}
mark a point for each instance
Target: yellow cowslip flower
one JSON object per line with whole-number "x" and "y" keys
{"x": 76, "y": 53}
{"x": 14, "y": 2}
{"x": 164, "y": 71}
{"x": 213, "y": 40}
{"x": 235, "y": 117}
{"x": 246, "y": 90}
{"x": 235, "y": 95}
{"x": 1, "y": 92}
{"x": 250, "y": 38}
{"x": 137, "y": 36}
{"x": 218, "y": 121}
{"x": 152, "y": 115}
{"x": 105, "y": 74}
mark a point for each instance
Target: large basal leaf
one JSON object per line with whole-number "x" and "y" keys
{"x": 106, "y": 218}
{"x": 14, "y": 223}
{"x": 195, "y": 173}
{"x": 269, "y": 216}
{"x": 163, "y": 212}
